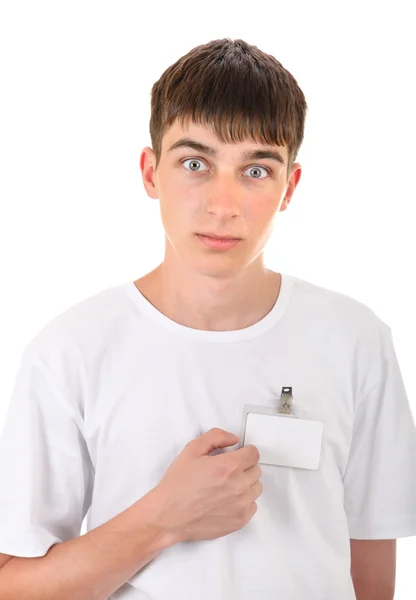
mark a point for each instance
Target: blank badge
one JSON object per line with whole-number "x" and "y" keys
{"x": 281, "y": 438}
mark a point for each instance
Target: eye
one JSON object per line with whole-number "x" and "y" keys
{"x": 194, "y": 164}
{"x": 256, "y": 171}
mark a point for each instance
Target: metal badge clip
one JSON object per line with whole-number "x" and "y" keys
{"x": 285, "y": 401}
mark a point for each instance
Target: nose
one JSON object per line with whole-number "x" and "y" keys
{"x": 224, "y": 198}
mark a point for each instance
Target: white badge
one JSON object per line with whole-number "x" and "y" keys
{"x": 282, "y": 438}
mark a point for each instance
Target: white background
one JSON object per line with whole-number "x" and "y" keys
{"x": 74, "y": 111}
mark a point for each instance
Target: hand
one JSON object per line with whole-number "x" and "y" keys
{"x": 205, "y": 497}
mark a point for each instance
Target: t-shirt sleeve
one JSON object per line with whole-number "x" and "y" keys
{"x": 380, "y": 477}
{"x": 46, "y": 475}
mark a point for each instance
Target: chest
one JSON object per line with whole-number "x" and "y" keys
{"x": 142, "y": 411}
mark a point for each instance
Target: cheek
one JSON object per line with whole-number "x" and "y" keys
{"x": 260, "y": 212}
{"x": 178, "y": 211}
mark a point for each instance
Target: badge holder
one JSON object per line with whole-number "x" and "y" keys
{"x": 282, "y": 438}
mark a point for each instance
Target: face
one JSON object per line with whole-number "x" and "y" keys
{"x": 207, "y": 187}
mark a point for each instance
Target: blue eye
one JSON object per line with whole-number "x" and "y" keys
{"x": 194, "y": 164}
{"x": 257, "y": 168}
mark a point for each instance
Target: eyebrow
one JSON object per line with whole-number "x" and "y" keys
{"x": 245, "y": 155}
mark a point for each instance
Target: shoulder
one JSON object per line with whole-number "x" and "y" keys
{"x": 336, "y": 308}
{"x": 82, "y": 325}
{"x": 350, "y": 330}
{"x": 69, "y": 348}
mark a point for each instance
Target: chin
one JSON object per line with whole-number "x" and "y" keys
{"x": 217, "y": 268}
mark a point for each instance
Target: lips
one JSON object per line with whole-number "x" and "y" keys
{"x": 219, "y": 237}
{"x": 218, "y": 243}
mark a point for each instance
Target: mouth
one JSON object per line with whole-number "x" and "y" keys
{"x": 218, "y": 243}
{"x": 218, "y": 237}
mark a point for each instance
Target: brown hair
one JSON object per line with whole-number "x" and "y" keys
{"x": 237, "y": 89}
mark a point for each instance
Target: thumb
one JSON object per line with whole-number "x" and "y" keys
{"x": 213, "y": 439}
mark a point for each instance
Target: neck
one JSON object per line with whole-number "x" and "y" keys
{"x": 212, "y": 303}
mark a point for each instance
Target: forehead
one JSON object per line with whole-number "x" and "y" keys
{"x": 206, "y": 135}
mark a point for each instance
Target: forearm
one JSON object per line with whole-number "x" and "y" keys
{"x": 372, "y": 590}
{"x": 92, "y": 566}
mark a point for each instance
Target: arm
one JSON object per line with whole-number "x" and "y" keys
{"x": 373, "y": 569}
{"x": 94, "y": 565}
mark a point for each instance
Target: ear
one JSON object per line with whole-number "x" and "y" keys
{"x": 293, "y": 182}
{"x": 148, "y": 169}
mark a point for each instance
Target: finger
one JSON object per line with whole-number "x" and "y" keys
{"x": 247, "y": 457}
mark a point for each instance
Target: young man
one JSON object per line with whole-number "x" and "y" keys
{"x": 127, "y": 404}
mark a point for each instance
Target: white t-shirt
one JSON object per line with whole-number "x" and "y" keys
{"x": 110, "y": 391}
